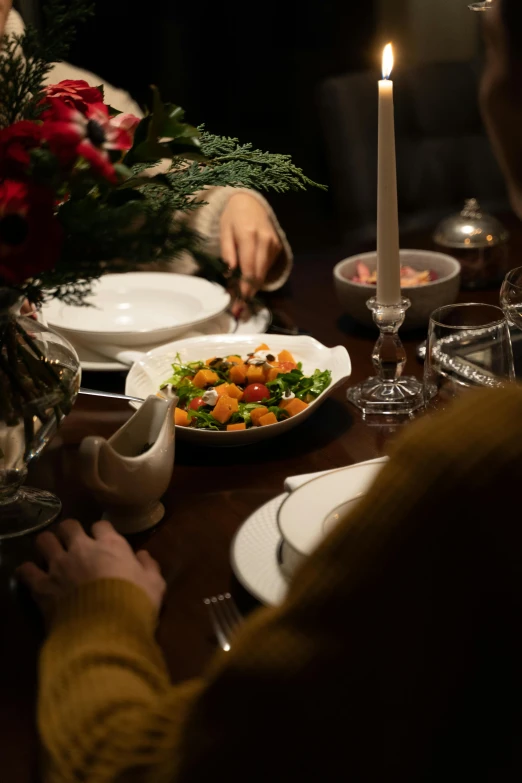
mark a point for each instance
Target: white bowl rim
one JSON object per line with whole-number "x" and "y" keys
{"x": 158, "y": 332}
{"x": 406, "y": 252}
{"x": 231, "y": 338}
{"x": 297, "y": 547}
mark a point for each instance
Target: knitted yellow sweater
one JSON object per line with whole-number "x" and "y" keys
{"x": 395, "y": 657}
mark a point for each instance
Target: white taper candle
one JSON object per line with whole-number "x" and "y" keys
{"x": 388, "y": 256}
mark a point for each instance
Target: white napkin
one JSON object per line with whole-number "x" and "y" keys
{"x": 294, "y": 482}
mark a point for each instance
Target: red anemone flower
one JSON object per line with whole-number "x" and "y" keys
{"x": 70, "y": 134}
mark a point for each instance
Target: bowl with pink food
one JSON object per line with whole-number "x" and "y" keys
{"x": 429, "y": 280}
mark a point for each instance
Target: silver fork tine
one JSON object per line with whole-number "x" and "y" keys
{"x": 216, "y": 625}
{"x": 225, "y": 618}
{"x": 219, "y": 603}
{"x": 233, "y": 611}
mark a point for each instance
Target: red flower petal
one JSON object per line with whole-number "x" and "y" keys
{"x": 30, "y": 235}
{"x": 98, "y": 160}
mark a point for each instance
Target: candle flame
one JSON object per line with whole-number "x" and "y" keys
{"x": 387, "y": 61}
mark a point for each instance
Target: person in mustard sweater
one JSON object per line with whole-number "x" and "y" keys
{"x": 395, "y": 657}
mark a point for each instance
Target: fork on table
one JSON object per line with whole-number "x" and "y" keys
{"x": 225, "y": 618}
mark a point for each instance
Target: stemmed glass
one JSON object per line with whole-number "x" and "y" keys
{"x": 469, "y": 345}
{"x": 486, "y": 5}
{"x": 511, "y": 297}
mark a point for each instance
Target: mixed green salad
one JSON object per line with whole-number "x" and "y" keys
{"x": 239, "y": 392}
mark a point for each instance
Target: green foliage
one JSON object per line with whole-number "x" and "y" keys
{"x": 304, "y": 387}
{"x": 164, "y": 134}
{"x": 227, "y": 158}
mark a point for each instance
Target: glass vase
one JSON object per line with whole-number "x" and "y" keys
{"x": 39, "y": 381}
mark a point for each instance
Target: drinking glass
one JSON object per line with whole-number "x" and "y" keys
{"x": 485, "y": 5}
{"x": 469, "y": 345}
{"x": 511, "y": 297}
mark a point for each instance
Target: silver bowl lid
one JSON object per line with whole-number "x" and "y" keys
{"x": 470, "y": 229}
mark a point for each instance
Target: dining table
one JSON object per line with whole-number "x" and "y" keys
{"x": 212, "y": 492}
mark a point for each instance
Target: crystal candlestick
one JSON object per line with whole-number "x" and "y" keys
{"x": 388, "y": 393}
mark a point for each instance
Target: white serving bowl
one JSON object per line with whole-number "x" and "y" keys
{"x": 146, "y": 376}
{"x": 424, "y": 298}
{"x": 139, "y": 308}
{"x": 310, "y": 513}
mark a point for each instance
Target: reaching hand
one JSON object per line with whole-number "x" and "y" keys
{"x": 249, "y": 239}
{"x": 74, "y": 558}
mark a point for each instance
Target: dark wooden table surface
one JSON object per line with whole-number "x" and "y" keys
{"x": 211, "y": 493}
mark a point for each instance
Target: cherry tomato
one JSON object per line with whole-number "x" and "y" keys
{"x": 256, "y": 392}
{"x": 286, "y": 366}
{"x": 196, "y": 403}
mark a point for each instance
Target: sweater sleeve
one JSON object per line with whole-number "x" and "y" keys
{"x": 105, "y": 711}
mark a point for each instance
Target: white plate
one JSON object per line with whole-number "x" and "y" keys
{"x": 92, "y": 361}
{"x": 306, "y": 513}
{"x": 255, "y": 551}
{"x": 139, "y": 308}
{"x": 146, "y": 376}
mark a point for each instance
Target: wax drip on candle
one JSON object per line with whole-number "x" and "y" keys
{"x": 387, "y": 61}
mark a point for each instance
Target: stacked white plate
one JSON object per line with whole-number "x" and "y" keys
{"x": 139, "y": 311}
{"x": 272, "y": 543}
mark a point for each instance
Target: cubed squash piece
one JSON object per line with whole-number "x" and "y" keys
{"x": 255, "y": 374}
{"x": 221, "y": 389}
{"x": 205, "y": 378}
{"x": 257, "y": 413}
{"x": 235, "y": 427}
{"x": 224, "y": 409}
{"x": 181, "y": 417}
{"x": 272, "y": 373}
{"x": 284, "y": 404}
{"x": 234, "y": 391}
{"x": 268, "y": 418}
{"x": 262, "y": 347}
{"x": 286, "y": 356}
{"x": 209, "y": 361}
{"x": 235, "y": 359}
{"x": 295, "y": 406}
{"x": 238, "y": 374}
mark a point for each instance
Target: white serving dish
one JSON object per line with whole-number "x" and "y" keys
{"x": 424, "y": 298}
{"x": 139, "y": 308}
{"x": 93, "y": 361}
{"x": 146, "y": 376}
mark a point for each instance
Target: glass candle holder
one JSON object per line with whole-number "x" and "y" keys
{"x": 389, "y": 392}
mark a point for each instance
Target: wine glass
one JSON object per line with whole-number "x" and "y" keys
{"x": 511, "y": 297}
{"x": 486, "y": 5}
{"x": 468, "y": 346}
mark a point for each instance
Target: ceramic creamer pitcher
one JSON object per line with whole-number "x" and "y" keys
{"x": 130, "y": 472}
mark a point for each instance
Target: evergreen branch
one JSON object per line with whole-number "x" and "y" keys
{"x": 254, "y": 168}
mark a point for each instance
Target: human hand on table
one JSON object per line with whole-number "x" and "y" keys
{"x": 248, "y": 240}
{"x": 74, "y": 558}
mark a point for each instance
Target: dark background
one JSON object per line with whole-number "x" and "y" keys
{"x": 244, "y": 70}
